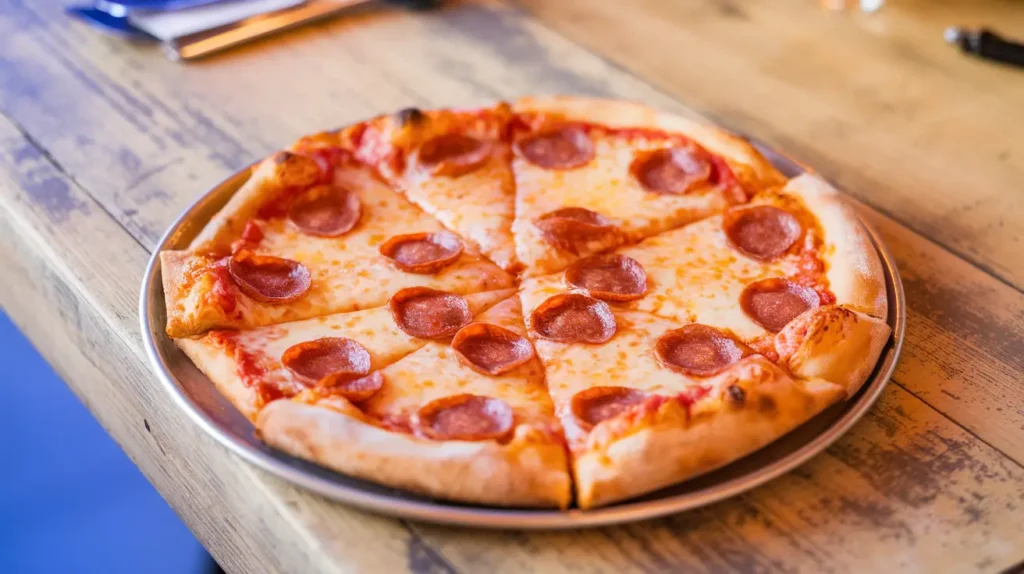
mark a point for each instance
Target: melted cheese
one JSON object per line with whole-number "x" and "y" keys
{"x": 627, "y": 360}
{"x": 478, "y": 205}
{"x": 693, "y": 276}
{"x": 605, "y": 186}
{"x": 434, "y": 372}
{"x": 348, "y": 273}
{"x": 229, "y": 358}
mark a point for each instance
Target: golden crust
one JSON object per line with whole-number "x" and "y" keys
{"x": 270, "y": 176}
{"x": 188, "y": 293}
{"x": 854, "y": 269}
{"x": 391, "y": 143}
{"x": 217, "y": 354}
{"x": 346, "y": 277}
{"x": 830, "y": 351}
{"x": 220, "y": 367}
{"x": 748, "y": 163}
{"x": 529, "y": 470}
{"x": 188, "y": 290}
{"x": 672, "y": 443}
{"x": 833, "y": 343}
{"x": 406, "y": 130}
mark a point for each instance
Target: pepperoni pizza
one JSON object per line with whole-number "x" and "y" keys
{"x": 525, "y": 305}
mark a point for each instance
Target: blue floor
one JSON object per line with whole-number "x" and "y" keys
{"x": 70, "y": 500}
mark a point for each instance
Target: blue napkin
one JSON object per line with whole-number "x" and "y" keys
{"x": 124, "y": 6}
{"x": 107, "y": 22}
{"x": 169, "y": 19}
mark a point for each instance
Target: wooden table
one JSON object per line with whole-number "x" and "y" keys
{"x": 102, "y": 143}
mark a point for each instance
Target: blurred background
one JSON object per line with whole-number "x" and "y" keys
{"x": 70, "y": 500}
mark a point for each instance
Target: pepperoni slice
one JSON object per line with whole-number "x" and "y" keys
{"x": 697, "y": 350}
{"x": 571, "y": 227}
{"x": 268, "y": 279}
{"x": 491, "y": 349}
{"x": 762, "y": 232}
{"x": 594, "y": 405}
{"x": 610, "y": 277}
{"x": 313, "y": 361}
{"x": 356, "y": 389}
{"x": 464, "y": 417}
{"x": 573, "y": 318}
{"x": 671, "y": 171}
{"x": 567, "y": 147}
{"x": 453, "y": 155}
{"x": 428, "y": 313}
{"x": 326, "y": 211}
{"x": 423, "y": 253}
{"x": 772, "y": 303}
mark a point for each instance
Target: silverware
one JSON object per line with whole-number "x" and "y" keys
{"x": 200, "y": 44}
{"x": 207, "y": 42}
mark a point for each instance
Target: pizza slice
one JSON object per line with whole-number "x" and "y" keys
{"x": 646, "y": 402}
{"x": 465, "y": 419}
{"x": 454, "y": 164}
{"x": 255, "y": 367}
{"x": 793, "y": 275}
{"x": 313, "y": 232}
{"x": 594, "y": 174}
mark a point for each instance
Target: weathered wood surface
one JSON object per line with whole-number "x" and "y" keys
{"x": 877, "y": 102}
{"x": 103, "y": 144}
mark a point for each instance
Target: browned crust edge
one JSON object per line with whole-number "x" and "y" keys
{"x": 530, "y": 470}
{"x": 750, "y": 165}
{"x": 854, "y": 269}
{"x": 674, "y": 444}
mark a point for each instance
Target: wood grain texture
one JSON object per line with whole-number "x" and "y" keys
{"x": 71, "y": 277}
{"x": 107, "y": 143}
{"x": 485, "y": 53}
{"x": 902, "y": 492}
{"x": 877, "y": 102}
{"x": 965, "y": 348}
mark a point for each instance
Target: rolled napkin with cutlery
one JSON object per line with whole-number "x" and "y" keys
{"x": 203, "y": 15}
{"x": 190, "y": 29}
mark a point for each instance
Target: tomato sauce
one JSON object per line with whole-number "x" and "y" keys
{"x": 223, "y": 291}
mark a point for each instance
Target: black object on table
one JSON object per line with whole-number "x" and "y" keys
{"x": 986, "y": 44}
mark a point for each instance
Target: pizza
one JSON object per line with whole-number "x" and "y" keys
{"x": 590, "y": 177}
{"x": 311, "y": 233}
{"x": 543, "y": 303}
{"x": 453, "y": 164}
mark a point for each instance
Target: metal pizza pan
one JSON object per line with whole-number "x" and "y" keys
{"x": 197, "y": 396}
